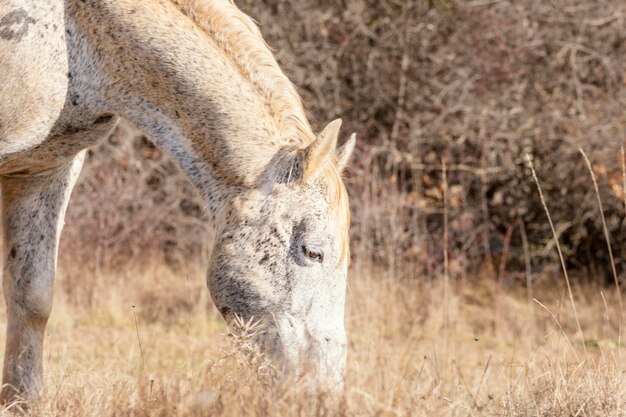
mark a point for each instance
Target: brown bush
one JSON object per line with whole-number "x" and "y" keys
{"x": 477, "y": 84}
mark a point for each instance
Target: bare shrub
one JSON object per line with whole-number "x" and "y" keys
{"x": 478, "y": 84}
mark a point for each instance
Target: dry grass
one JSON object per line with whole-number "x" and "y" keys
{"x": 410, "y": 354}
{"x": 479, "y": 83}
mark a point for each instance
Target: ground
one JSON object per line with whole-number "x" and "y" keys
{"x": 415, "y": 350}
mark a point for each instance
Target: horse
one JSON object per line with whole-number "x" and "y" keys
{"x": 197, "y": 77}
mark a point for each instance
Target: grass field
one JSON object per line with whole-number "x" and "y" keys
{"x": 414, "y": 350}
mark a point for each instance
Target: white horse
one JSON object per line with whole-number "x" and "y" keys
{"x": 197, "y": 77}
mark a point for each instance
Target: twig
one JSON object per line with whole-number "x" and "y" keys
{"x": 605, "y": 20}
{"x": 143, "y": 362}
{"x": 527, "y": 263}
{"x": 501, "y": 271}
{"x": 558, "y": 248}
{"x": 559, "y": 231}
{"x": 480, "y": 384}
{"x": 606, "y": 230}
{"x": 624, "y": 176}
{"x": 484, "y": 203}
{"x": 189, "y": 325}
{"x": 461, "y": 168}
{"x": 577, "y": 85}
{"x": 446, "y": 266}
{"x": 456, "y": 404}
{"x": 482, "y": 3}
{"x": 404, "y": 68}
{"x": 556, "y": 320}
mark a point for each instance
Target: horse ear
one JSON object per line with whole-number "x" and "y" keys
{"x": 344, "y": 153}
{"x": 321, "y": 149}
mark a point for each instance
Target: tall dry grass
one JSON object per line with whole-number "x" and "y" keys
{"x": 410, "y": 354}
{"x": 475, "y": 83}
{"x": 148, "y": 342}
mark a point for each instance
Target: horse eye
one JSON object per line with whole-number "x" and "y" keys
{"x": 313, "y": 254}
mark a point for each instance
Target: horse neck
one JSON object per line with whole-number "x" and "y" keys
{"x": 220, "y": 115}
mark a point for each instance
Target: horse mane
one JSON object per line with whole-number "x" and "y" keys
{"x": 239, "y": 38}
{"x": 241, "y": 42}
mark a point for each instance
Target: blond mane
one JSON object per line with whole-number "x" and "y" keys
{"x": 339, "y": 207}
{"x": 238, "y": 37}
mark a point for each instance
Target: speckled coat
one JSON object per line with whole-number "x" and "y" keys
{"x": 197, "y": 77}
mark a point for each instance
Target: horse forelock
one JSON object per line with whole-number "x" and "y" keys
{"x": 338, "y": 207}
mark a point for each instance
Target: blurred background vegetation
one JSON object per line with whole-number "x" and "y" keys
{"x": 456, "y": 303}
{"x": 447, "y": 97}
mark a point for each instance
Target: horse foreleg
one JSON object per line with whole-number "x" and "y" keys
{"x": 33, "y": 210}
